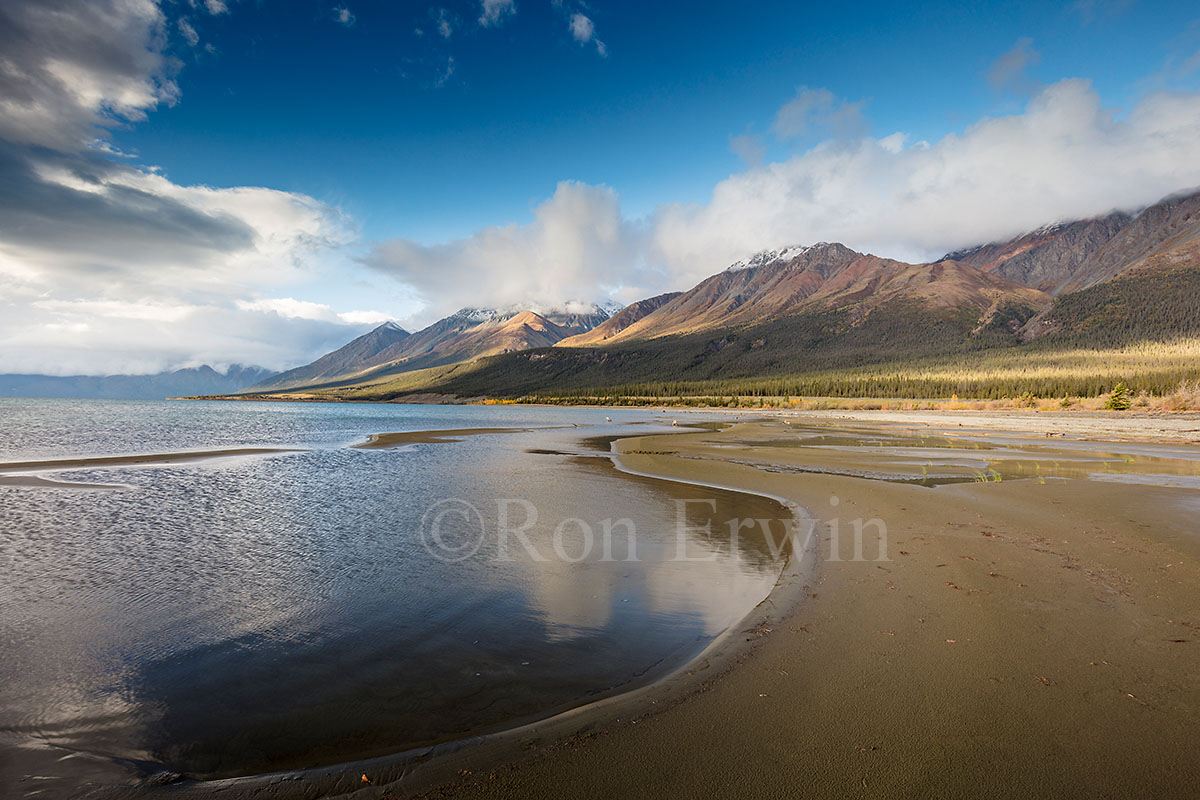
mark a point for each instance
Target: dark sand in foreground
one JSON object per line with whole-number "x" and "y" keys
{"x": 1028, "y": 637}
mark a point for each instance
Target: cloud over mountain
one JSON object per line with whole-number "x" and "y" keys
{"x": 578, "y": 247}
{"x": 1065, "y": 156}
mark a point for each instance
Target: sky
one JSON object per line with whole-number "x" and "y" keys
{"x": 259, "y": 181}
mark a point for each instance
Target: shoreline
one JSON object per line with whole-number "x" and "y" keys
{"x": 415, "y": 771}
{"x": 1000, "y": 650}
{"x": 1139, "y": 423}
{"x": 655, "y": 726}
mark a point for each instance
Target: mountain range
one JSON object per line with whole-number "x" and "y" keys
{"x": 470, "y": 333}
{"x": 177, "y": 383}
{"x": 1110, "y": 278}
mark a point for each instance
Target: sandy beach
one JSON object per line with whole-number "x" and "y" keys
{"x": 1018, "y": 617}
{"x": 1031, "y": 636}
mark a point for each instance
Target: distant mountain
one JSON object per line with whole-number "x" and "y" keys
{"x": 348, "y": 359}
{"x": 578, "y": 318}
{"x": 619, "y": 321}
{"x": 179, "y": 383}
{"x": 1072, "y": 256}
{"x": 469, "y": 333}
{"x": 776, "y": 284}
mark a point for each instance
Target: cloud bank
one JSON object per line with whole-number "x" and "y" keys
{"x": 1065, "y": 156}
{"x": 107, "y": 267}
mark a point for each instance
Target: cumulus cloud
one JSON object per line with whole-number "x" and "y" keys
{"x": 1008, "y": 72}
{"x": 577, "y": 246}
{"x": 584, "y": 31}
{"x": 1064, "y": 157}
{"x": 344, "y": 16}
{"x": 581, "y": 28}
{"x": 492, "y": 11}
{"x": 818, "y": 112}
{"x": 72, "y": 69}
{"x": 106, "y": 266}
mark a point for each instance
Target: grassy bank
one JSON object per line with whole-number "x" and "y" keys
{"x": 1162, "y": 375}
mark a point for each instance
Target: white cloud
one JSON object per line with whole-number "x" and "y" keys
{"x": 70, "y": 70}
{"x": 818, "y": 111}
{"x": 1007, "y": 73}
{"x": 492, "y": 11}
{"x": 581, "y": 28}
{"x": 1064, "y": 157}
{"x": 344, "y": 16}
{"x": 291, "y": 308}
{"x": 443, "y": 23}
{"x": 576, "y": 248}
{"x": 584, "y": 31}
{"x": 189, "y": 33}
{"x": 216, "y": 6}
{"x": 80, "y": 341}
{"x": 749, "y": 147}
{"x": 106, "y": 266}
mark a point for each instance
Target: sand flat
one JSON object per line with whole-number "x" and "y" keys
{"x": 384, "y": 441}
{"x": 158, "y": 459}
{"x": 1026, "y": 637}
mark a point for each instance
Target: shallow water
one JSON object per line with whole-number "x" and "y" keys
{"x": 256, "y": 613}
{"x": 933, "y": 458}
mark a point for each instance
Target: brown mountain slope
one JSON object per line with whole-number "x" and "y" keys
{"x": 357, "y": 355}
{"x": 1075, "y": 255}
{"x": 465, "y": 335}
{"x": 1163, "y": 227}
{"x": 620, "y": 321}
{"x": 825, "y": 276}
{"x": 1048, "y": 258}
{"x": 769, "y": 285}
{"x": 468, "y": 334}
{"x": 945, "y": 285}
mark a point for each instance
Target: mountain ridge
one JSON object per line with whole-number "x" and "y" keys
{"x": 185, "y": 382}
{"x": 820, "y": 305}
{"x": 466, "y": 334}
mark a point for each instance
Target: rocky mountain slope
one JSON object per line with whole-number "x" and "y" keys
{"x": 1076, "y": 255}
{"x": 1118, "y": 279}
{"x": 464, "y": 335}
{"x": 630, "y": 314}
{"x": 825, "y": 276}
{"x": 351, "y": 358}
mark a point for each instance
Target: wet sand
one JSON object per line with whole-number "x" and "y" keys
{"x": 1028, "y": 636}
{"x": 383, "y": 441}
{"x": 158, "y": 459}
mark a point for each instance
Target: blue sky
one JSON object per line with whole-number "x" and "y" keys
{"x": 258, "y": 181}
{"x": 354, "y": 115}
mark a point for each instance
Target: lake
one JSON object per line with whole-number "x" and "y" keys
{"x": 252, "y": 613}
